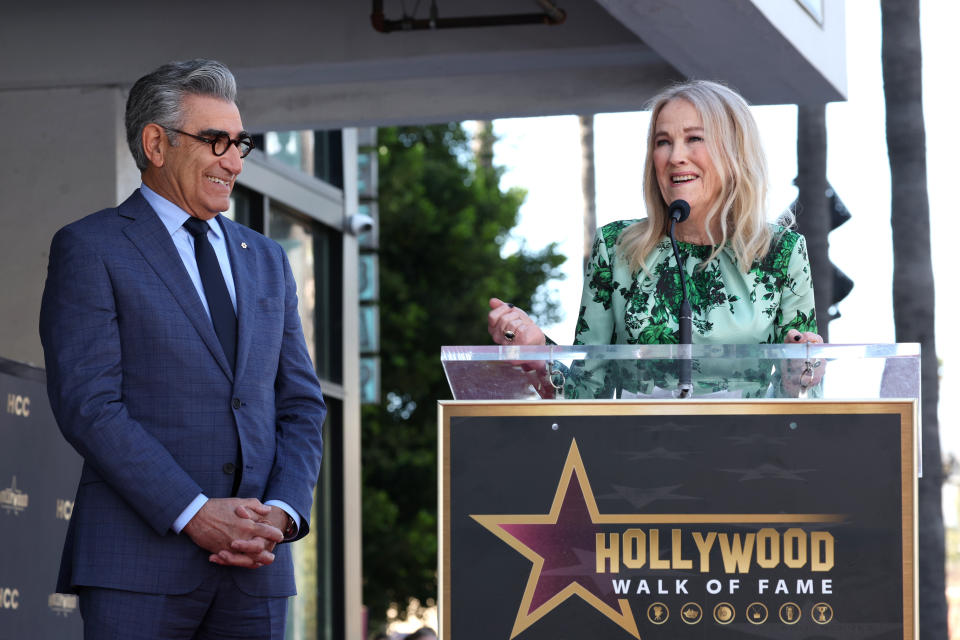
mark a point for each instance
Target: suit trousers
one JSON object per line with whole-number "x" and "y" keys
{"x": 216, "y": 610}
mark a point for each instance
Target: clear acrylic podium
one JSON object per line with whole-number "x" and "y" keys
{"x": 581, "y": 496}
{"x": 849, "y": 372}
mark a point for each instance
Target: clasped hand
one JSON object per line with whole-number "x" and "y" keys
{"x": 239, "y": 532}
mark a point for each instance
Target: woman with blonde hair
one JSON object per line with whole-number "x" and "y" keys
{"x": 748, "y": 280}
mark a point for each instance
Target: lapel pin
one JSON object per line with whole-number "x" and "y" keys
{"x": 243, "y": 245}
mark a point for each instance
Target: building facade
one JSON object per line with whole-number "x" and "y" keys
{"x": 308, "y": 67}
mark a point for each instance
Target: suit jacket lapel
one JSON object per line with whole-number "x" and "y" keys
{"x": 153, "y": 241}
{"x": 243, "y": 263}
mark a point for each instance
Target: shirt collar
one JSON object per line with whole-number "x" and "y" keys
{"x": 171, "y": 215}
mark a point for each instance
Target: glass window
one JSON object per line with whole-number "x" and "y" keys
{"x": 293, "y": 148}
{"x": 367, "y": 276}
{"x": 246, "y": 207}
{"x": 327, "y": 531}
{"x": 370, "y": 379}
{"x": 366, "y": 180}
{"x": 315, "y": 153}
{"x": 329, "y": 248}
{"x": 329, "y": 157}
{"x": 296, "y": 237}
{"x": 369, "y": 329}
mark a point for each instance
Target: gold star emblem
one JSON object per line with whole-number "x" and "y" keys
{"x": 574, "y": 511}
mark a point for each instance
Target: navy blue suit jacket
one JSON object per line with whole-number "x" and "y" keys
{"x": 140, "y": 386}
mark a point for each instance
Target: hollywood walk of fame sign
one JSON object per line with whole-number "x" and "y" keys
{"x": 657, "y": 520}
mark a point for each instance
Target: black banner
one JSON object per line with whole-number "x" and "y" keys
{"x": 38, "y": 480}
{"x": 678, "y": 520}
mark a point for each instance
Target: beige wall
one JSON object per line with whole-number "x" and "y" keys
{"x": 64, "y": 157}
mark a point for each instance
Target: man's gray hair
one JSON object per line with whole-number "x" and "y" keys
{"x": 158, "y": 98}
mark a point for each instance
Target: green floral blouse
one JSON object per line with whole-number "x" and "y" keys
{"x": 729, "y": 307}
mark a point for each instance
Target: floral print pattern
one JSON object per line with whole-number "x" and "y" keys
{"x": 729, "y": 307}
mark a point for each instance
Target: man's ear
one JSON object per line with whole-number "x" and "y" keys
{"x": 155, "y": 144}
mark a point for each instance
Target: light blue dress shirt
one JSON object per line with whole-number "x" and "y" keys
{"x": 173, "y": 218}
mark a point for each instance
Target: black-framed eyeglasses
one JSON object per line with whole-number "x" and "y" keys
{"x": 221, "y": 142}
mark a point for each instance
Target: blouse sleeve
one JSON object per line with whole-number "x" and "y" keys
{"x": 595, "y": 323}
{"x": 797, "y": 308}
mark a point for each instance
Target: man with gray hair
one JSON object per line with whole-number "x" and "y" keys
{"x": 176, "y": 366}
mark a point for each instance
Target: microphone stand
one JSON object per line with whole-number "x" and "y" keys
{"x": 680, "y": 211}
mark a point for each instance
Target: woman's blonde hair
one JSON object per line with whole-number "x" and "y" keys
{"x": 733, "y": 141}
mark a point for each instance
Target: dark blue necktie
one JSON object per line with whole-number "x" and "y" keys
{"x": 215, "y": 288}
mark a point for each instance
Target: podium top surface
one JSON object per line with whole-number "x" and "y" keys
{"x": 719, "y": 371}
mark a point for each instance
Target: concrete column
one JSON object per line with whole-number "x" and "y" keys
{"x": 352, "y": 481}
{"x": 64, "y": 156}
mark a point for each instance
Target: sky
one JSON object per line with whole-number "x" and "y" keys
{"x": 542, "y": 155}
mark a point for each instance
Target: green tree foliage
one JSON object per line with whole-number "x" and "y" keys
{"x": 443, "y": 222}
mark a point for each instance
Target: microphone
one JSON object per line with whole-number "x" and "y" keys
{"x": 680, "y": 211}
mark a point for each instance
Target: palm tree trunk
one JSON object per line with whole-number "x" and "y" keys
{"x": 813, "y": 215}
{"x": 483, "y": 140}
{"x": 913, "y": 293}
{"x": 589, "y": 185}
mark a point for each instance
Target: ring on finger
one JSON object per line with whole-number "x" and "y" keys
{"x": 806, "y": 376}
{"x": 509, "y": 335}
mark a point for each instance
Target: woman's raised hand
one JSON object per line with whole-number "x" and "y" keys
{"x": 799, "y": 337}
{"x": 508, "y": 324}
